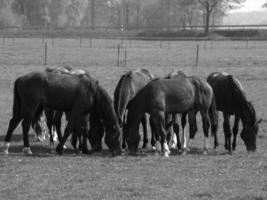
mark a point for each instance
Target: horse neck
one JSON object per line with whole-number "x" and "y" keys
{"x": 123, "y": 94}
{"x": 245, "y": 109}
{"x": 136, "y": 111}
{"x": 247, "y": 115}
{"x": 105, "y": 108}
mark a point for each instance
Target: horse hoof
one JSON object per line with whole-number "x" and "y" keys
{"x": 6, "y": 152}
{"x": 59, "y": 150}
{"x": 27, "y": 151}
{"x": 166, "y": 154}
{"x": 154, "y": 148}
{"x": 64, "y": 146}
{"x": 184, "y": 152}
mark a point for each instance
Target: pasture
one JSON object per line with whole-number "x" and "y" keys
{"x": 45, "y": 175}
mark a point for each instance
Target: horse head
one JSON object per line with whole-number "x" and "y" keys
{"x": 250, "y": 130}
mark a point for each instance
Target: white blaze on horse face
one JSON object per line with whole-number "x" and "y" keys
{"x": 7, "y": 145}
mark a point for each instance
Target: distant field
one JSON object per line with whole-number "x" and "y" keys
{"x": 46, "y": 175}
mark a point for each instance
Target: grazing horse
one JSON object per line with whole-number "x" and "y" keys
{"x": 77, "y": 96}
{"x": 231, "y": 100}
{"x": 170, "y": 96}
{"x": 54, "y": 118}
{"x": 128, "y": 86}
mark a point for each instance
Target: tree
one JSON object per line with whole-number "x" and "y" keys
{"x": 208, "y": 7}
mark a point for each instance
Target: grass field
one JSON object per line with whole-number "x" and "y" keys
{"x": 218, "y": 175}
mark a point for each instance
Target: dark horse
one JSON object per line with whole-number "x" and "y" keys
{"x": 77, "y": 96}
{"x": 128, "y": 86}
{"x": 171, "y": 96}
{"x": 54, "y": 119}
{"x": 231, "y": 100}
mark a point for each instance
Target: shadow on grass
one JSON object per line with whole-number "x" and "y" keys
{"x": 15, "y": 137}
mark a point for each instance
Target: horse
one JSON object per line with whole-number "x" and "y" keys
{"x": 128, "y": 86}
{"x": 54, "y": 118}
{"x": 231, "y": 100}
{"x": 171, "y": 96}
{"x": 173, "y": 120}
{"x": 77, "y": 96}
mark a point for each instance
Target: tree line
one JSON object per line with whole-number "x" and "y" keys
{"x": 122, "y": 14}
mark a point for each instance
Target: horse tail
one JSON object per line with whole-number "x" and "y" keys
{"x": 16, "y": 101}
{"x": 213, "y": 116}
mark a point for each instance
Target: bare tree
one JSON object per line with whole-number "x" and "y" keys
{"x": 209, "y": 6}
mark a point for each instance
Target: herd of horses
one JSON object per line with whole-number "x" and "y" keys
{"x": 92, "y": 115}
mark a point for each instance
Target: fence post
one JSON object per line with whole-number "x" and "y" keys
{"x": 45, "y": 63}
{"x": 197, "y": 55}
{"x": 118, "y": 58}
{"x": 125, "y": 57}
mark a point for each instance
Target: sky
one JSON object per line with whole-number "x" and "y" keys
{"x": 251, "y": 5}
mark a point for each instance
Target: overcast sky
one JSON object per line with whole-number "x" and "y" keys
{"x": 251, "y": 5}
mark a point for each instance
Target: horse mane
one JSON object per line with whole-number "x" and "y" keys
{"x": 104, "y": 105}
{"x": 252, "y": 112}
{"x": 124, "y": 80}
{"x": 239, "y": 91}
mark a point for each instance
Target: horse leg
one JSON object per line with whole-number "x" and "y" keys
{"x": 235, "y": 131}
{"x": 57, "y": 122}
{"x": 153, "y": 136}
{"x": 168, "y": 127}
{"x": 145, "y": 140}
{"x": 227, "y": 132}
{"x": 159, "y": 122}
{"x": 13, "y": 123}
{"x": 49, "y": 121}
{"x": 176, "y": 138}
{"x": 205, "y": 126}
{"x": 123, "y": 136}
{"x": 26, "y": 124}
{"x": 192, "y": 129}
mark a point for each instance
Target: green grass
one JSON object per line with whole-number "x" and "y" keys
{"x": 46, "y": 175}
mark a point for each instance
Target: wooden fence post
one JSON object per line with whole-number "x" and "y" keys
{"x": 45, "y": 63}
{"x": 197, "y": 55}
{"x": 125, "y": 57}
{"x": 118, "y": 58}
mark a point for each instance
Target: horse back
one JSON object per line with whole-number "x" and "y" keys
{"x": 172, "y": 95}
{"x": 228, "y": 92}
{"x": 57, "y": 91}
